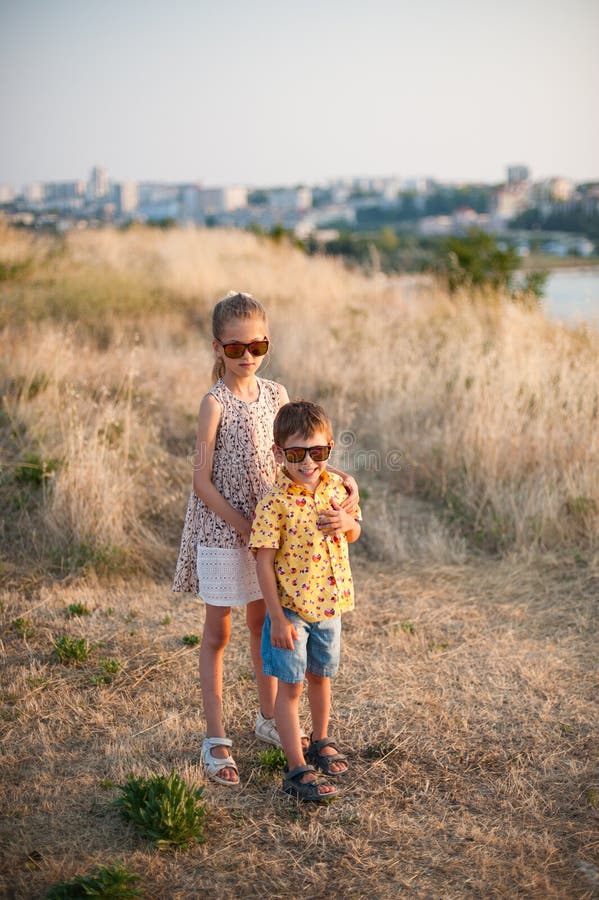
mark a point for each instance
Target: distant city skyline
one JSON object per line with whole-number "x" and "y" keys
{"x": 262, "y": 94}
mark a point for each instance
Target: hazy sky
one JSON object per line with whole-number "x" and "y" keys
{"x": 269, "y": 92}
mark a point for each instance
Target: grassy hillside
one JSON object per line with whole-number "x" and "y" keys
{"x": 467, "y": 697}
{"x": 485, "y": 408}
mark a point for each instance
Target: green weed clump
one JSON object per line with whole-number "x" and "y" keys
{"x": 70, "y": 649}
{"x": 33, "y": 470}
{"x": 190, "y": 640}
{"x": 164, "y": 809}
{"x": 272, "y": 760}
{"x": 108, "y": 669}
{"x": 23, "y": 627}
{"x": 77, "y": 609}
{"x": 105, "y": 881}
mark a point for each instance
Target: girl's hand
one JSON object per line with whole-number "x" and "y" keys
{"x": 336, "y": 520}
{"x": 245, "y": 529}
{"x": 350, "y": 504}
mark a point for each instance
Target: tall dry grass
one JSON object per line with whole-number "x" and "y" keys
{"x": 487, "y": 408}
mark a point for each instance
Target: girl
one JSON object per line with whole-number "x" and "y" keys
{"x": 234, "y": 466}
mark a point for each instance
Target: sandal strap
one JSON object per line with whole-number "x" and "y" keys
{"x": 218, "y": 741}
{"x": 325, "y": 742}
{"x": 297, "y": 772}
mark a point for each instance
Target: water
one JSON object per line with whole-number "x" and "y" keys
{"x": 573, "y": 295}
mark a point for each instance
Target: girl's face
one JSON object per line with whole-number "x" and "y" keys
{"x": 243, "y": 331}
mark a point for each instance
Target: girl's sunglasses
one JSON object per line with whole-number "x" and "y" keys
{"x": 235, "y": 349}
{"x": 298, "y": 454}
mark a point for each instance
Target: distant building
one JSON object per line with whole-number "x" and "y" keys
{"x": 289, "y": 200}
{"x": 517, "y": 173}
{"x": 433, "y": 225}
{"x": 553, "y": 190}
{"x": 509, "y": 201}
{"x": 64, "y": 195}
{"x": 97, "y": 185}
{"x": 126, "y": 197}
{"x": 34, "y": 192}
{"x": 191, "y": 206}
{"x": 7, "y": 195}
{"x": 215, "y": 201}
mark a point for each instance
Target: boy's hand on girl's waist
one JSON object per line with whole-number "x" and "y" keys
{"x": 283, "y": 633}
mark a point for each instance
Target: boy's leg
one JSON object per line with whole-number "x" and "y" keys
{"x": 217, "y": 629}
{"x": 266, "y": 684}
{"x": 319, "y": 697}
{"x": 322, "y": 653}
{"x": 287, "y": 719}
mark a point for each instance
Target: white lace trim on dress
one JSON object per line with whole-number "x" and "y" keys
{"x": 227, "y": 577}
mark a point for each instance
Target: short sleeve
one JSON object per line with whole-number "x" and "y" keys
{"x": 266, "y": 527}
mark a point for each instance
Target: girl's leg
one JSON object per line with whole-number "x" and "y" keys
{"x": 267, "y": 685}
{"x": 319, "y": 698}
{"x": 217, "y": 629}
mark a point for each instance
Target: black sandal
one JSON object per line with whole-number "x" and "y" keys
{"x": 305, "y": 790}
{"x": 323, "y": 763}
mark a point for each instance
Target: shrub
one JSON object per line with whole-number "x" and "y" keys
{"x": 23, "y": 627}
{"x": 105, "y": 881}
{"x": 272, "y": 760}
{"x": 77, "y": 609}
{"x": 33, "y": 470}
{"x": 164, "y": 809}
{"x": 190, "y": 640}
{"x": 70, "y": 649}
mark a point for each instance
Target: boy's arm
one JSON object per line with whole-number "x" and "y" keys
{"x": 282, "y": 631}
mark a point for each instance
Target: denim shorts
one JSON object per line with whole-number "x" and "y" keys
{"x": 317, "y": 650}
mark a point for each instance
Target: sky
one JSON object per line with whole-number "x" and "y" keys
{"x": 273, "y": 92}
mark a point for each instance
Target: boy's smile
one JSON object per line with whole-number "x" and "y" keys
{"x": 308, "y": 471}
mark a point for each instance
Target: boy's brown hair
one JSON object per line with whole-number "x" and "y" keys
{"x": 301, "y": 417}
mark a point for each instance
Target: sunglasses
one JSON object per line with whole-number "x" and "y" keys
{"x": 298, "y": 454}
{"x": 235, "y": 349}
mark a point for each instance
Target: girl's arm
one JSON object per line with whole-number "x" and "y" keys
{"x": 203, "y": 487}
{"x": 350, "y": 504}
{"x": 283, "y": 396}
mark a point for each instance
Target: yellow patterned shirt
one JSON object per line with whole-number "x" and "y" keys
{"x": 312, "y": 569}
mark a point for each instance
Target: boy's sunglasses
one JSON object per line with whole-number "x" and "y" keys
{"x": 235, "y": 349}
{"x": 298, "y": 454}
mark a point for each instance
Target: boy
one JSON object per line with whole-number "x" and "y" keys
{"x": 300, "y": 535}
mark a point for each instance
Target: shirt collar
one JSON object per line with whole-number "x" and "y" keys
{"x": 288, "y": 486}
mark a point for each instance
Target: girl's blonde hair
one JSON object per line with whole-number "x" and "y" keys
{"x": 233, "y": 305}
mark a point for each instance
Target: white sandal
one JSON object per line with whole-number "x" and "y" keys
{"x": 213, "y": 765}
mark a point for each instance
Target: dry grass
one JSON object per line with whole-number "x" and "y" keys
{"x": 467, "y": 697}
{"x": 467, "y": 701}
{"x": 488, "y": 409}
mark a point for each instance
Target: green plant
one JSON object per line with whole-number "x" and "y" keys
{"x": 105, "y": 881}
{"x": 164, "y": 809}
{"x": 190, "y": 640}
{"x": 70, "y": 649}
{"x": 33, "y": 470}
{"x": 23, "y": 628}
{"x": 110, "y": 668}
{"x": 166, "y": 620}
{"x": 272, "y": 760}
{"x": 77, "y": 609}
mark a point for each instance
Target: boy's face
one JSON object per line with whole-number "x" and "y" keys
{"x": 308, "y": 471}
